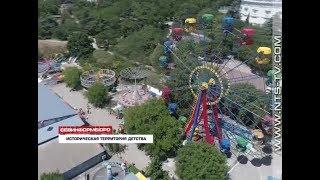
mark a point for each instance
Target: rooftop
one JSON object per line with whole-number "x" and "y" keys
{"x": 50, "y": 105}
{"x": 52, "y": 113}
{"x": 50, "y": 132}
{"x": 67, "y": 158}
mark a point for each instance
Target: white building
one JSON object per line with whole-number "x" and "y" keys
{"x": 259, "y": 11}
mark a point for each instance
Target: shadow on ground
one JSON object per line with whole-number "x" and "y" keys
{"x": 242, "y": 159}
{"x": 256, "y": 162}
{"x": 229, "y": 154}
{"x": 267, "y": 149}
{"x": 266, "y": 160}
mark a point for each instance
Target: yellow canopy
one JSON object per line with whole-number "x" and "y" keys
{"x": 141, "y": 176}
{"x": 264, "y": 50}
{"x": 258, "y": 133}
{"x": 190, "y": 20}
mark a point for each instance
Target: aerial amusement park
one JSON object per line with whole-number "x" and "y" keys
{"x": 211, "y": 74}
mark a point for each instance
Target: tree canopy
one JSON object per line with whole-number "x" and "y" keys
{"x": 139, "y": 45}
{"x": 80, "y": 44}
{"x": 197, "y": 161}
{"x": 48, "y": 7}
{"x": 114, "y": 20}
{"x": 97, "y": 95}
{"x": 71, "y": 77}
{"x": 66, "y": 28}
{"x": 133, "y": 28}
{"x": 153, "y": 117}
{"x": 247, "y": 103}
{"x": 46, "y": 27}
{"x": 155, "y": 171}
{"x": 115, "y": 148}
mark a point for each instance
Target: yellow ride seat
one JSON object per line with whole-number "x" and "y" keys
{"x": 262, "y": 61}
{"x": 264, "y": 50}
{"x": 264, "y": 55}
{"x": 190, "y": 21}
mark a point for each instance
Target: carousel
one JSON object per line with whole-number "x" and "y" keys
{"x": 105, "y": 76}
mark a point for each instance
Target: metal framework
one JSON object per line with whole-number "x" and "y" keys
{"x": 133, "y": 73}
{"x": 105, "y": 76}
{"x": 48, "y": 66}
{"x": 209, "y": 82}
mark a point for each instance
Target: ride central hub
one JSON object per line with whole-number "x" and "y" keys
{"x": 204, "y": 86}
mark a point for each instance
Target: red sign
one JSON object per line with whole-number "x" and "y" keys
{"x": 85, "y": 130}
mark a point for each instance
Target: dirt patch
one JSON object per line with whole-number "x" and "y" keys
{"x": 48, "y": 48}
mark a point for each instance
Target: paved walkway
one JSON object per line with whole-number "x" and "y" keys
{"x": 98, "y": 116}
{"x": 170, "y": 167}
{"x": 249, "y": 172}
{"x": 94, "y": 44}
{"x": 133, "y": 155}
{"x": 77, "y": 100}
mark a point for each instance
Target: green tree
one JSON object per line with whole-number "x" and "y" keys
{"x": 187, "y": 10}
{"x": 115, "y": 148}
{"x": 133, "y": 169}
{"x": 139, "y": 45}
{"x": 179, "y": 78}
{"x": 155, "y": 171}
{"x": 70, "y": 25}
{"x": 48, "y": 7}
{"x": 60, "y": 33}
{"x": 80, "y": 44}
{"x": 67, "y": 26}
{"x": 46, "y": 27}
{"x": 71, "y": 77}
{"x": 197, "y": 161}
{"x": 247, "y": 103}
{"x": 52, "y": 176}
{"x": 152, "y": 117}
{"x": 102, "y": 40}
{"x": 103, "y": 58}
{"x": 127, "y": 26}
{"x": 98, "y": 95}
{"x": 155, "y": 55}
{"x": 268, "y": 27}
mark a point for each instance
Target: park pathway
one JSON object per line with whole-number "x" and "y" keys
{"x": 98, "y": 116}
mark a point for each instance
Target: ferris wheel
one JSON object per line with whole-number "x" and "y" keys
{"x": 213, "y": 117}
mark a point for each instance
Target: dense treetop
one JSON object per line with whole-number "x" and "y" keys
{"x": 133, "y": 28}
{"x": 197, "y": 161}
{"x": 153, "y": 117}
